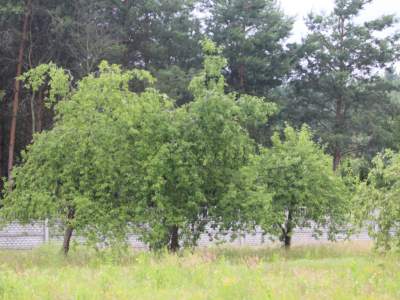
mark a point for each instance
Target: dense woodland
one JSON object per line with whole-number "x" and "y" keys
{"x": 177, "y": 114}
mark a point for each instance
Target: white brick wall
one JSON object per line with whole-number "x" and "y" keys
{"x": 16, "y": 236}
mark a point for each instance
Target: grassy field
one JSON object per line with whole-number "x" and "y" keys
{"x": 341, "y": 271}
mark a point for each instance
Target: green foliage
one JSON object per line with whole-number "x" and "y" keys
{"x": 378, "y": 201}
{"x": 120, "y": 152}
{"x": 306, "y": 192}
{"x": 81, "y": 172}
{"x": 174, "y": 81}
{"x": 252, "y": 34}
{"x": 160, "y": 36}
{"x": 196, "y": 175}
{"x": 116, "y": 158}
{"x": 11, "y": 7}
{"x": 58, "y": 79}
{"x": 394, "y": 118}
{"x": 339, "y": 91}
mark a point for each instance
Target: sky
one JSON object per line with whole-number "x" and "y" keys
{"x": 300, "y": 9}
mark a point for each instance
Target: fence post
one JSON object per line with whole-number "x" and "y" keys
{"x": 46, "y": 230}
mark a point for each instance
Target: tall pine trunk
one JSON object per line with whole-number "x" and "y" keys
{"x": 40, "y": 112}
{"x": 339, "y": 126}
{"x": 17, "y": 86}
{"x": 337, "y": 157}
{"x": 3, "y": 106}
{"x": 339, "y": 105}
{"x": 33, "y": 114}
{"x": 241, "y": 76}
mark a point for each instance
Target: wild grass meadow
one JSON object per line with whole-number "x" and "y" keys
{"x": 336, "y": 271}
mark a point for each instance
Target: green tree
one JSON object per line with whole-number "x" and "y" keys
{"x": 82, "y": 172}
{"x": 394, "y": 118}
{"x": 91, "y": 31}
{"x": 117, "y": 160}
{"x": 306, "y": 192}
{"x": 378, "y": 203}
{"x": 253, "y": 34}
{"x": 338, "y": 89}
{"x": 162, "y": 37}
{"x": 196, "y": 176}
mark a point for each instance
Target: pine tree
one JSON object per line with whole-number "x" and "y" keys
{"x": 338, "y": 89}
{"x": 253, "y": 34}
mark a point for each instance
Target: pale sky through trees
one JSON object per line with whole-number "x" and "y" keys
{"x": 300, "y": 9}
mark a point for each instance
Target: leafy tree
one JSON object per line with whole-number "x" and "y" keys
{"x": 253, "y": 34}
{"x": 378, "y": 201}
{"x": 117, "y": 160}
{"x": 338, "y": 90}
{"x": 35, "y": 79}
{"x": 161, "y": 36}
{"x": 196, "y": 176}
{"x": 83, "y": 171}
{"x": 306, "y": 192}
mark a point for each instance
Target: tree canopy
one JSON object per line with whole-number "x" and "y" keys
{"x": 213, "y": 140}
{"x": 378, "y": 201}
{"x": 338, "y": 90}
{"x": 305, "y": 190}
{"x": 253, "y": 34}
{"x": 82, "y": 167}
{"x": 117, "y": 160}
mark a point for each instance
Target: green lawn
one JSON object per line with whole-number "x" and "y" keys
{"x": 342, "y": 271}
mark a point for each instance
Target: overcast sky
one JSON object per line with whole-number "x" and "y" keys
{"x": 300, "y": 9}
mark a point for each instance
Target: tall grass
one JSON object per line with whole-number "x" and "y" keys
{"x": 341, "y": 271}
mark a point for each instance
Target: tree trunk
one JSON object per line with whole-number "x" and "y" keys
{"x": 287, "y": 231}
{"x": 241, "y": 76}
{"x": 1, "y": 139}
{"x": 68, "y": 231}
{"x": 40, "y": 112}
{"x": 340, "y": 104}
{"x": 339, "y": 124}
{"x": 173, "y": 239}
{"x": 337, "y": 157}
{"x": 287, "y": 240}
{"x": 33, "y": 114}
{"x": 67, "y": 239}
{"x": 17, "y": 85}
